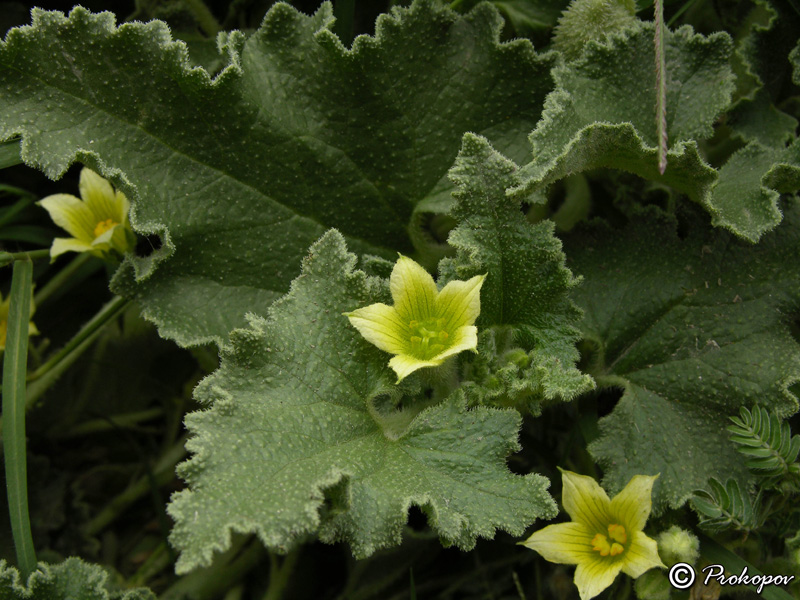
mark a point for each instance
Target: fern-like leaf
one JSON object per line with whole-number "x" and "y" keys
{"x": 726, "y": 507}
{"x": 766, "y": 440}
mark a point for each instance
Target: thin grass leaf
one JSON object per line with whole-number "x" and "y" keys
{"x": 15, "y": 362}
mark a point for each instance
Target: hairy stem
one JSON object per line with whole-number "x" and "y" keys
{"x": 661, "y": 88}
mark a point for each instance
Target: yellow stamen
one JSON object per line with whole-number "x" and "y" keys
{"x": 617, "y": 533}
{"x": 600, "y": 544}
{"x": 104, "y": 226}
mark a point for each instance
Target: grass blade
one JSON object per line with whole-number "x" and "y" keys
{"x": 15, "y": 364}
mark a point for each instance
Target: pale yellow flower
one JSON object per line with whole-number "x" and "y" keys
{"x": 97, "y": 221}
{"x": 604, "y": 537}
{"x": 425, "y": 326}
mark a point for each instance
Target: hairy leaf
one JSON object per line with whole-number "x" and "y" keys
{"x": 527, "y": 286}
{"x": 68, "y": 580}
{"x": 304, "y": 436}
{"x": 750, "y": 182}
{"x": 240, "y": 174}
{"x": 691, "y": 328}
{"x": 602, "y": 115}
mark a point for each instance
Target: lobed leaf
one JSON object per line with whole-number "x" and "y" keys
{"x": 601, "y": 115}
{"x": 68, "y": 580}
{"x": 239, "y": 174}
{"x": 691, "y": 328}
{"x": 306, "y": 433}
{"x": 527, "y": 287}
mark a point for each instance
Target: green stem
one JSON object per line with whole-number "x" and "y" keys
{"x": 279, "y": 574}
{"x": 661, "y": 87}
{"x": 205, "y": 18}
{"x": 222, "y": 575}
{"x": 15, "y": 363}
{"x": 735, "y": 564}
{"x": 679, "y": 12}
{"x": 158, "y": 560}
{"x": 88, "y": 332}
{"x": 59, "y": 278}
{"x": 7, "y": 258}
{"x": 162, "y": 472}
{"x": 12, "y": 211}
{"x": 123, "y": 421}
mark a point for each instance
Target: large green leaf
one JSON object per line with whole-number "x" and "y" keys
{"x": 239, "y": 174}
{"x": 602, "y": 114}
{"x": 691, "y": 327}
{"x": 69, "y": 580}
{"x": 526, "y": 290}
{"x": 750, "y": 182}
{"x": 303, "y": 436}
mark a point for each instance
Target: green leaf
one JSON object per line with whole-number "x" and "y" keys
{"x": 766, "y": 47}
{"x": 766, "y": 440}
{"x": 240, "y": 174}
{"x": 758, "y": 120}
{"x": 726, "y": 507}
{"x": 602, "y": 114}
{"x": 527, "y": 287}
{"x": 794, "y": 58}
{"x": 749, "y": 185}
{"x": 303, "y": 436}
{"x": 68, "y": 580}
{"x": 692, "y": 328}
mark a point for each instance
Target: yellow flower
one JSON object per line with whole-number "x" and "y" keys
{"x": 4, "y": 321}
{"x": 425, "y": 326}
{"x": 604, "y": 537}
{"x": 97, "y": 221}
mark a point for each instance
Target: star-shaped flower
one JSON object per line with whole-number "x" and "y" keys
{"x": 425, "y": 326}
{"x": 97, "y": 221}
{"x": 604, "y": 537}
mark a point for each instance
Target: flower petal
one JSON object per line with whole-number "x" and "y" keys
{"x": 381, "y": 325}
{"x": 62, "y": 245}
{"x": 632, "y": 505}
{"x": 565, "y": 543}
{"x": 464, "y": 338}
{"x": 405, "y": 364}
{"x": 459, "y": 302}
{"x": 585, "y": 501}
{"x": 123, "y": 206}
{"x": 71, "y": 214}
{"x": 413, "y": 290}
{"x": 641, "y": 555}
{"x": 99, "y": 196}
{"x": 595, "y": 575}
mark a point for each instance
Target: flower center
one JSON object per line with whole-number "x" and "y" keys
{"x": 428, "y": 338}
{"x": 611, "y": 544}
{"x": 104, "y": 226}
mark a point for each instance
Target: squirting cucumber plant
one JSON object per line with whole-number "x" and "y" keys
{"x": 352, "y": 301}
